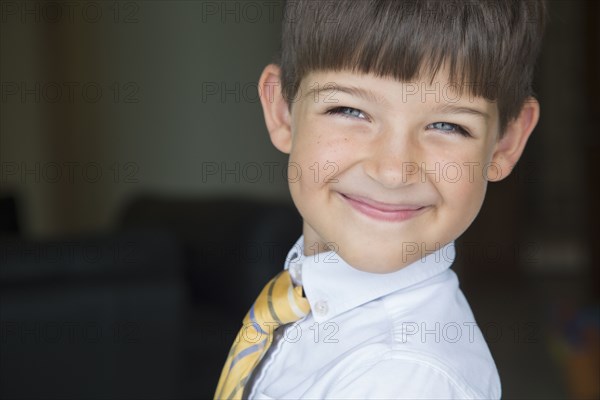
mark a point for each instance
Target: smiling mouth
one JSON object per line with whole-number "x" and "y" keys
{"x": 383, "y": 211}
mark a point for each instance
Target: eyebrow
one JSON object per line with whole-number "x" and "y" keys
{"x": 368, "y": 95}
{"x": 364, "y": 94}
{"x": 452, "y": 109}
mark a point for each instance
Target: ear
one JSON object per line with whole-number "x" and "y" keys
{"x": 509, "y": 148}
{"x": 275, "y": 108}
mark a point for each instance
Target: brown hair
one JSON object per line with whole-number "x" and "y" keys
{"x": 489, "y": 46}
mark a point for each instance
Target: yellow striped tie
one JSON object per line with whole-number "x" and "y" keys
{"x": 279, "y": 303}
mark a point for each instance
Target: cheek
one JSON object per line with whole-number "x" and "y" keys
{"x": 465, "y": 199}
{"x": 319, "y": 154}
{"x": 465, "y": 172}
{"x": 462, "y": 184}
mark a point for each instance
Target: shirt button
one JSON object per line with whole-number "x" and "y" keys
{"x": 321, "y": 307}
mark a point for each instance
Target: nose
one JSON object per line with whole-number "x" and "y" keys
{"x": 392, "y": 160}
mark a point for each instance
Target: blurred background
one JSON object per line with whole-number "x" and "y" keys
{"x": 137, "y": 178}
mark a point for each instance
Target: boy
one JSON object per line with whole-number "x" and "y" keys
{"x": 395, "y": 115}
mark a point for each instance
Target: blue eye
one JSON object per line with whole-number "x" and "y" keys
{"x": 347, "y": 112}
{"x": 447, "y": 127}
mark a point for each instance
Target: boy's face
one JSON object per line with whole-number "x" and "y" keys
{"x": 357, "y": 141}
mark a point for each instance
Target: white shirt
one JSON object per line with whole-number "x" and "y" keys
{"x": 406, "y": 334}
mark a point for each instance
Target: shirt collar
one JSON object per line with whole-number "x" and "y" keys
{"x": 333, "y": 286}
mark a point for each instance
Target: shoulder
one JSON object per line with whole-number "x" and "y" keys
{"x": 433, "y": 329}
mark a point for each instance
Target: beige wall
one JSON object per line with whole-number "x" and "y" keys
{"x": 160, "y": 117}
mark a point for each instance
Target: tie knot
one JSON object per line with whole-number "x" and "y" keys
{"x": 279, "y": 303}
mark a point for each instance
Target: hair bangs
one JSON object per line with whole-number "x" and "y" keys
{"x": 474, "y": 43}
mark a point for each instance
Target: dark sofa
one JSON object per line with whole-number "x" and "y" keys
{"x": 147, "y": 312}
